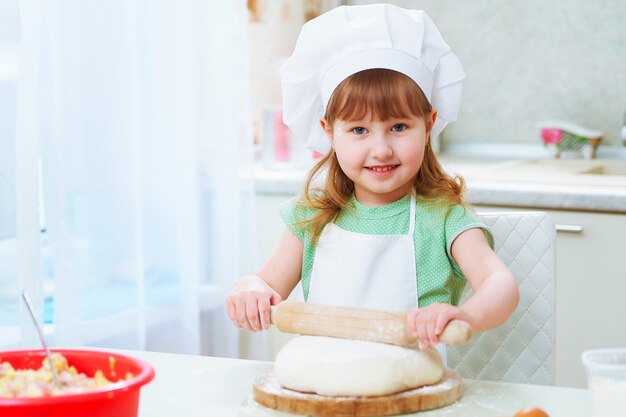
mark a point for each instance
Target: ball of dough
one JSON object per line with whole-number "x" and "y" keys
{"x": 331, "y": 366}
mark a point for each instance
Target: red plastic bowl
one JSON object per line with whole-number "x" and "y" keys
{"x": 120, "y": 399}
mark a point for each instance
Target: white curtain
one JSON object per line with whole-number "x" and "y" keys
{"x": 134, "y": 200}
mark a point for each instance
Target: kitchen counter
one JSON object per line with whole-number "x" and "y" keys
{"x": 595, "y": 185}
{"x": 200, "y": 386}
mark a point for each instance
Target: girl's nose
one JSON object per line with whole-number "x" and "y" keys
{"x": 381, "y": 147}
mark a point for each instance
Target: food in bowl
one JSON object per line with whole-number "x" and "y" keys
{"x": 119, "y": 398}
{"x": 40, "y": 382}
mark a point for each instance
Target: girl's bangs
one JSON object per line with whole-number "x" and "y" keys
{"x": 381, "y": 94}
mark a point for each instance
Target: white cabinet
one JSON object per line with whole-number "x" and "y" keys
{"x": 590, "y": 288}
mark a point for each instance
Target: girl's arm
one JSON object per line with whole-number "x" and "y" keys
{"x": 248, "y": 304}
{"x": 495, "y": 291}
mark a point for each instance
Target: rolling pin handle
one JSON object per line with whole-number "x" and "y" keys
{"x": 273, "y": 313}
{"x": 456, "y": 332}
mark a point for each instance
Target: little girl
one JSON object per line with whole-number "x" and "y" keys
{"x": 380, "y": 224}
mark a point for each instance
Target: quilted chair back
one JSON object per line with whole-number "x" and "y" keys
{"x": 522, "y": 349}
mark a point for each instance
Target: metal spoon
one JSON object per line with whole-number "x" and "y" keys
{"x": 41, "y": 338}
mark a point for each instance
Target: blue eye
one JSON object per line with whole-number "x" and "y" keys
{"x": 359, "y": 130}
{"x": 398, "y": 127}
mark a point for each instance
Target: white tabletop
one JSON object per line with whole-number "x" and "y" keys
{"x": 188, "y": 385}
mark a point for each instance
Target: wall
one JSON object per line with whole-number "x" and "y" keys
{"x": 531, "y": 60}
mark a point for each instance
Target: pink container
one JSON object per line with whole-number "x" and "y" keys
{"x": 120, "y": 399}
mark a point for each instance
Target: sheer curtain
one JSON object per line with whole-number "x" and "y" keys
{"x": 134, "y": 200}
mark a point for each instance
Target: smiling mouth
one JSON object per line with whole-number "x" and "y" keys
{"x": 381, "y": 169}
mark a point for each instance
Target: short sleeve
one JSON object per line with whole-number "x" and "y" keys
{"x": 293, "y": 213}
{"x": 458, "y": 220}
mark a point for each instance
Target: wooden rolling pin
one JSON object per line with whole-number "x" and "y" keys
{"x": 357, "y": 323}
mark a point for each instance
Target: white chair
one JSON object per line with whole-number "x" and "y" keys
{"x": 522, "y": 349}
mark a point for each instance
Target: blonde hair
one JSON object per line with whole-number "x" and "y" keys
{"x": 381, "y": 94}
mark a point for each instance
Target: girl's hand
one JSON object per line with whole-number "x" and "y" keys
{"x": 429, "y": 322}
{"x": 248, "y": 304}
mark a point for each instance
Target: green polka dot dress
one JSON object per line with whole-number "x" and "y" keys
{"x": 439, "y": 278}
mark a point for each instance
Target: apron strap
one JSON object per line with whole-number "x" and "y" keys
{"x": 412, "y": 215}
{"x": 411, "y": 238}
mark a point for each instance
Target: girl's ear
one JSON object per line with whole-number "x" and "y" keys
{"x": 328, "y": 130}
{"x": 432, "y": 117}
{"x": 430, "y": 122}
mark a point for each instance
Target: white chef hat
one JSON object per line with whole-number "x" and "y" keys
{"x": 350, "y": 39}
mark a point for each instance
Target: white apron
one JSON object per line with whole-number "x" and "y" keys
{"x": 363, "y": 270}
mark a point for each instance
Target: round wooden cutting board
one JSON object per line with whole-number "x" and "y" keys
{"x": 269, "y": 393}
